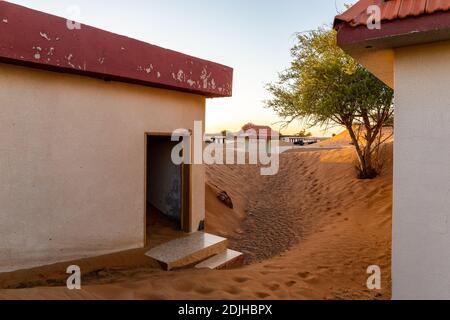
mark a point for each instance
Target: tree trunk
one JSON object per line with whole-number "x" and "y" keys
{"x": 365, "y": 168}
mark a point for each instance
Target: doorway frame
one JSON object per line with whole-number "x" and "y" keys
{"x": 186, "y": 186}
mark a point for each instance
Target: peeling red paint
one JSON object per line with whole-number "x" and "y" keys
{"x": 35, "y": 39}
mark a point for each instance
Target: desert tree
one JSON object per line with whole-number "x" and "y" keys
{"x": 304, "y": 134}
{"x": 224, "y": 133}
{"x": 326, "y": 87}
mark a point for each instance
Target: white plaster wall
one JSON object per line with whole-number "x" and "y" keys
{"x": 72, "y": 163}
{"x": 421, "y": 235}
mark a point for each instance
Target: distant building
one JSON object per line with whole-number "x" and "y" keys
{"x": 304, "y": 140}
{"x": 253, "y": 131}
{"x": 215, "y": 138}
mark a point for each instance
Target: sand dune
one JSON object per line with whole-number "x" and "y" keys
{"x": 343, "y": 139}
{"x": 309, "y": 233}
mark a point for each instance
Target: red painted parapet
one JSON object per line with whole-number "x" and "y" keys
{"x": 35, "y": 39}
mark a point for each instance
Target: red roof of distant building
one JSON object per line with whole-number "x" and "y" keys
{"x": 261, "y": 131}
{"x": 391, "y": 10}
{"x": 39, "y": 40}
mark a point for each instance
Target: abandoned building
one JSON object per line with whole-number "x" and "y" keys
{"x": 410, "y": 52}
{"x": 86, "y": 121}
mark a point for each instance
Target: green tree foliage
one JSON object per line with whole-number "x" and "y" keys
{"x": 304, "y": 134}
{"x": 324, "y": 87}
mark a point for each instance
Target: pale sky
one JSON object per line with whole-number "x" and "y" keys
{"x": 252, "y": 36}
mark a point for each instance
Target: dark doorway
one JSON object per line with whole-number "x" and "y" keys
{"x": 167, "y": 184}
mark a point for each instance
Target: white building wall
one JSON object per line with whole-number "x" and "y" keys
{"x": 72, "y": 163}
{"x": 421, "y": 234}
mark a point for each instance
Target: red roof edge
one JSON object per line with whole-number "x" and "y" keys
{"x": 391, "y": 10}
{"x": 353, "y": 12}
{"x": 35, "y": 39}
{"x": 396, "y": 33}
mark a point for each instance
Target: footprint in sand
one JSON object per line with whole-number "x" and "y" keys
{"x": 241, "y": 279}
{"x": 303, "y": 275}
{"x": 321, "y": 268}
{"x": 308, "y": 277}
{"x": 149, "y": 296}
{"x": 262, "y": 295}
{"x": 233, "y": 290}
{"x": 290, "y": 284}
{"x": 204, "y": 290}
{"x": 272, "y": 286}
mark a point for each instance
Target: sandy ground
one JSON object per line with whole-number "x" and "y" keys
{"x": 309, "y": 232}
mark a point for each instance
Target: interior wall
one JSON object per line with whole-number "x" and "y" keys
{"x": 72, "y": 163}
{"x": 163, "y": 177}
{"x": 421, "y": 233}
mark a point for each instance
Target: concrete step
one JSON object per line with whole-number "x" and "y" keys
{"x": 224, "y": 260}
{"x": 188, "y": 251}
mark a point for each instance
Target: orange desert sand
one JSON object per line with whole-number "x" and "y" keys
{"x": 309, "y": 232}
